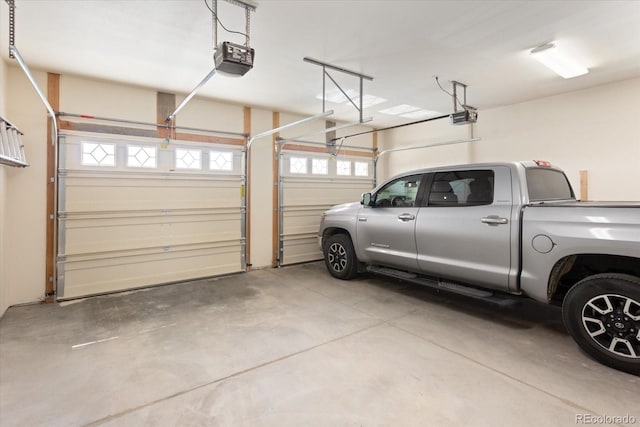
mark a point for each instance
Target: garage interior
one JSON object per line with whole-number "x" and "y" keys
{"x": 159, "y": 262}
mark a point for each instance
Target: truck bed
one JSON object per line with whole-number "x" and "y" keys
{"x": 579, "y": 204}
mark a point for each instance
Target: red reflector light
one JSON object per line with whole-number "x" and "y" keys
{"x": 543, "y": 163}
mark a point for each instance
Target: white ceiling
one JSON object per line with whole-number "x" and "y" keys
{"x": 166, "y": 45}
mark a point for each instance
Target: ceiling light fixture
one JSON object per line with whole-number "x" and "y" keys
{"x": 371, "y": 100}
{"x": 419, "y": 114}
{"x": 399, "y": 109}
{"x": 337, "y": 96}
{"x": 552, "y": 58}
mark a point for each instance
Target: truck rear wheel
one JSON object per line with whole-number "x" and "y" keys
{"x": 602, "y": 314}
{"x": 339, "y": 257}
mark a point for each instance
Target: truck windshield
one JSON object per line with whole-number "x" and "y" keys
{"x": 548, "y": 184}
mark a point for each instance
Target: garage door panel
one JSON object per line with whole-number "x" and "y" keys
{"x": 301, "y": 221}
{"x": 301, "y": 249}
{"x": 99, "y": 235}
{"x": 138, "y": 270}
{"x": 126, "y": 224}
{"x": 87, "y": 193}
{"x": 306, "y": 191}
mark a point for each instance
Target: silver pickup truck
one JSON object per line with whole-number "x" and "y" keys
{"x": 498, "y": 231}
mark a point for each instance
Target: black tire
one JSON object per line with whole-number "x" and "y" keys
{"x": 602, "y": 314}
{"x": 339, "y": 257}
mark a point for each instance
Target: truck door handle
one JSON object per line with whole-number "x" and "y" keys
{"x": 494, "y": 220}
{"x": 406, "y": 217}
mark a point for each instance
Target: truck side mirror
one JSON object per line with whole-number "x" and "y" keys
{"x": 366, "y": 199}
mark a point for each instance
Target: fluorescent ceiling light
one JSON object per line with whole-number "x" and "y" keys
{"x": 556, "y": 61}
{"x": 369, "y": 100}
{"x": 420, "y": 114}
{"x": 399, "y": 109}
{"x": 336, "y": 96}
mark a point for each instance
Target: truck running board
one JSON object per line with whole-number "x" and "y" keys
{"x": 468, "y": 291}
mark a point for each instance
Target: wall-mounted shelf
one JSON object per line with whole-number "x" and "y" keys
{"x": 11, "y": 147}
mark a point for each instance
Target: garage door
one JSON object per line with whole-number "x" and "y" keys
{"x": 136, "y": 212}
{"x": 310, "y": 183}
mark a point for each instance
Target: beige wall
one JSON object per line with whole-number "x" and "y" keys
{"x": 4, "y": 287}
{"x": 205, "y": 113}
{"x": 261, "y": 189}
{"x": 435, "y": 132}
{"x": 593, "y": 129}
{"x": 25, "y": 193}
{"x": 106, "y": 99}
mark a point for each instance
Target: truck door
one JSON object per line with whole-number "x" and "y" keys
{"x": 386, "y": 230}
{"x": 464, "y": 231}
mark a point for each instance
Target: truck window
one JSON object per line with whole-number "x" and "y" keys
{"x": 548, "y": 184}
{"x": 462, "y": 188}
{"x": 401, "y": 192}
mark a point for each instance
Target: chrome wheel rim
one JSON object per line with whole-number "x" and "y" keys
{"x": 337, "y": 256}
{"x": 613, "y": 322}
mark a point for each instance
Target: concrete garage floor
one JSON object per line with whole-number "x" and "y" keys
{"x": 294, "y": 347}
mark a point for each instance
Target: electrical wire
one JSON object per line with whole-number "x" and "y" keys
{"x": 246, "y": 36}
{"x": 339, "y": 147}
{"x": 449, "y": 93}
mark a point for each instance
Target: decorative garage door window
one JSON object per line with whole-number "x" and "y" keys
{"x": 188, "y": 158}
{"x": 98, "y": 154}
{"x": 298, "y": 165}
{"x": 361, "y": 169}
{"x": 139, "y": 156}
{"x": 220, "y": 160}
{"x": 343, "y": 167}
{"x": 319, "y": 166}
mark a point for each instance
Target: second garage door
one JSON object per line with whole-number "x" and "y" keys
{"x": 311, "y": 183}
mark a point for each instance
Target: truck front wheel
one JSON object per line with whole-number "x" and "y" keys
{"x": 602, "y": 314}
{"x": 339, "y": 257}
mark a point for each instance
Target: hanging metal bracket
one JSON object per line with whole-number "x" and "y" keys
{"x": 326, "y": 74}
{"x": 456, "y": 100}
{"x": 12, "y": 26}
{"x": 249, "y": 6}
{"x": 468, "y": 114}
